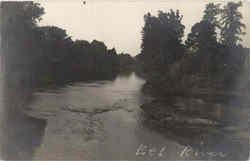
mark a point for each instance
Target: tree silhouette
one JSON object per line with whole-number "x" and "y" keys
{"x": 203, "y": 35}
{"x": 212, "y": 54}
{"x": 17, "y": 31}
{"x": 44, "y": 55}
{"x": 161, "y": 39}
{"x": 232, "y": 27}
{"x": 202, "y": 41}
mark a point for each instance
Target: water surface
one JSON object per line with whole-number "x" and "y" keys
{"x": 97, "y": 120}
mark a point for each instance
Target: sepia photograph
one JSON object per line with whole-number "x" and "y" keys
{"x": 135, "y": 80}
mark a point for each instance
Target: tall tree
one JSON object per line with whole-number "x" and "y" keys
{"x": 232, "y": 27}
{"x": 202, "y": 41}
{"x": 203, "y": 35}
{"x": 162, "y": 37}
{"x": 19, "y": 39}
{"x": 211, "y": 14}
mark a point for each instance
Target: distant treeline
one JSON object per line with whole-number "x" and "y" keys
{"x": 34, "y": 56}
{"x": 211, "y": 57}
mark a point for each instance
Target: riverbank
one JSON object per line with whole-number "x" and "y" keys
{"x": 195, "y": 122}
{"x": 198, "y": 115}
{"x": 208, "y": 94}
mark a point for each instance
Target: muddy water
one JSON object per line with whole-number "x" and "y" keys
{"x": 96, "y": 120}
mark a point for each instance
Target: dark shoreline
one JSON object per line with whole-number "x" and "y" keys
{"x": 187, "y": 119}
{"x": 225, "y": 97}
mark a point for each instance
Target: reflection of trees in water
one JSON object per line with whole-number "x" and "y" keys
{"x": 203, "y": 139}
{"x": 20, "y": 134}
{"x": 125, "y": 73}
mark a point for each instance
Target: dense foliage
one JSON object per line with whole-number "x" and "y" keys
{"x": 211, "y": 55}
{"x": 206, "y": 59}
{"x": 161, "y": 39}
{"x": 34, "y": 55}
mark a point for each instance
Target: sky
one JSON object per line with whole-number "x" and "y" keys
{"x": 118, "y": 23}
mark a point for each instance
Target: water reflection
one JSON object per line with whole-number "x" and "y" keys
{"x": 20, "y": 134}
{"x": 103, "y": 120}
{"x": 202, "y": 127}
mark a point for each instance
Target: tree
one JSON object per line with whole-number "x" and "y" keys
{"x": 42, "y": 55}
{"x": 211, "y": 14}
{"x": 161, "y": 39}
{"x": 19, "y": 39}
{"x": 202, "y": 41}
{"x": 126, "y": 63}
{"x": 232, "y": 27}
{"x": 203, "y": 35}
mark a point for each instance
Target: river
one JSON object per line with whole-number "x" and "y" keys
{"x": 95, "y": 120}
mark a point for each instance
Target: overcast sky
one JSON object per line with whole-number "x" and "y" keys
{"x": 118, "y": 23}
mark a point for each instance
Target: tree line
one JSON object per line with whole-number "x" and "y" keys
{"x": 36, "y": 55}
{"x": 211, "y": 57}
